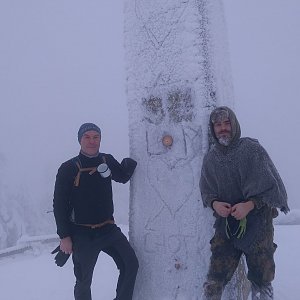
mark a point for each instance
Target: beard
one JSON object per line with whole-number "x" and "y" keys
{"x": 224, "y": 140}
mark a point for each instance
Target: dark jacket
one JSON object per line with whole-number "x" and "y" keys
{"x": 91, "y": 202}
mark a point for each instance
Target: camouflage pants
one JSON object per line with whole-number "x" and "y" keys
{"x": 225, "y": 259}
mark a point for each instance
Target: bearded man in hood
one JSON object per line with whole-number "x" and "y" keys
{"x": 242, "y": 186}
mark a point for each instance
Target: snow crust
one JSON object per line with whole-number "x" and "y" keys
{"x": 177, "y": 71}
{"x": 34, "y": 276}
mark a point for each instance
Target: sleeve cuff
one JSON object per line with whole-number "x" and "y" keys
{"x": 257, "y": 203}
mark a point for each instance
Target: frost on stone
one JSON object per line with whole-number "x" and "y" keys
{"x": 154, "y": 112}
{"x": 175, "y": 76}
{"x": 180, "y": 106}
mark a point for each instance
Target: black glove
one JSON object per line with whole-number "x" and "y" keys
{"x": 128, "y": 165}
{"x": 61, "y": 257}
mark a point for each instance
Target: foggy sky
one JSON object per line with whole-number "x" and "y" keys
{"x": 62, "y": 64}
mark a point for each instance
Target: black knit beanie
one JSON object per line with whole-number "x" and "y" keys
{"x": 87, "y": 127}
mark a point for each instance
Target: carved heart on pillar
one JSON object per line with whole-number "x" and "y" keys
{"x": 160, "y": 17}
{"x": 173, "y": 185}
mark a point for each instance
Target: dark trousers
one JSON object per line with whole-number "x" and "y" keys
{"x": 87, "y": 244}
{"x": 225, "y": 259}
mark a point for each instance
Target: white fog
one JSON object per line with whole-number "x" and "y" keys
{"x": 62, "y": 64}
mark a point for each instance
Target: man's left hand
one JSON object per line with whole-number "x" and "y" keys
{"x": 241, "y": 210}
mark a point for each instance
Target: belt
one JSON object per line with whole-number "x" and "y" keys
{"x": 94, "y": 226}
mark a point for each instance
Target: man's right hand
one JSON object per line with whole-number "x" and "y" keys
{"x": 223, "y": 209}
{"x": 66, "y": 245}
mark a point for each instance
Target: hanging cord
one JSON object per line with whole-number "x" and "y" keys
{"x": 241, "y": 230}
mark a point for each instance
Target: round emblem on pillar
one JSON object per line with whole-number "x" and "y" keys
{"x": 167, "y": 141}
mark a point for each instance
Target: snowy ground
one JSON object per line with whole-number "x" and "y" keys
{"x": 34, "y": 276}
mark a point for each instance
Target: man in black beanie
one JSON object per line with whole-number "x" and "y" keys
{"x": 83, "y": 210}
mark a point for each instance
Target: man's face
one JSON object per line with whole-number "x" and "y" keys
{"x": 222, "y": 131}
{"x": 90, "y": 142}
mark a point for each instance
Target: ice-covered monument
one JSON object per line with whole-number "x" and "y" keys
{"x": 177, "y": 72}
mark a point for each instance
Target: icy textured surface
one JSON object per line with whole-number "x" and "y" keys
{"x": 177, "y": 71}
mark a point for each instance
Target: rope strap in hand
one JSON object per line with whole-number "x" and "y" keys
{"x": 241, "y": 230}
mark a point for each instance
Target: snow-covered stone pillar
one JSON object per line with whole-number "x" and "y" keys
{"x": 177, "y": 72}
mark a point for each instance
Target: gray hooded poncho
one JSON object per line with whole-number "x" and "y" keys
{"x": 240, "y": 172}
